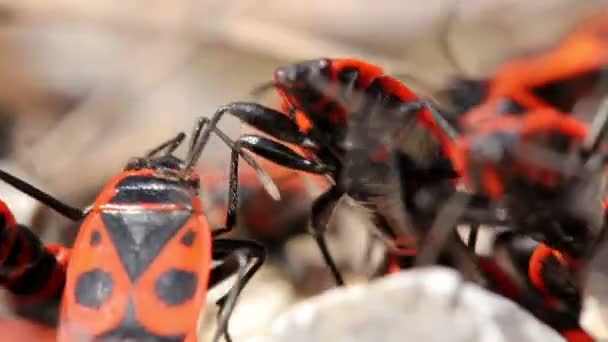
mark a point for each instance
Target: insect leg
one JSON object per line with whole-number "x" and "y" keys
{"x": 280, "y": 154}
{"x": 442, "y": 229}
{"x": 441, "y": 121}
{"x": 267, "y": 120}
{"x": 472, "y": 238}
{"x": 266, "y": 180}
{"x": 322, "y": 209}
{"x": 247, "y": 257}
{"x": 233, "y": 196}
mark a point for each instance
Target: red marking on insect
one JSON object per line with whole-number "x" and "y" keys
{"x": 424, "y": 116}
{"x": 295, "y": 83}
{"x": 381, "y": 155}
{"x": 500, "y": 279}
{"x": 108, "y": 261}
{"x": 559, "y": 76}
{"x": 143, "y": 254}
{"x": 524, "y": 128}
{"x": 25, "y": 330}
{"x": 540, "y": 256}
{"x": 577, "y": 335}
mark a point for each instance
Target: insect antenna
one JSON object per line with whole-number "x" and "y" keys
{"x": 263, "y": 88}
{"x": 62, "y": 208}
{"x": 171, "y": 145}
{"x": 445, "y": 43}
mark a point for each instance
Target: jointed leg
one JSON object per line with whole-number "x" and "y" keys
{"x": 247, "y": 257}
{"x": 280, "y": 154}
{"x": 442, "y": 229}
{"x": 322, "y": 209}
{"x": 267, "y": 120}
{"x": 472, "y": 238}
{"x": 233, "y": 186}
{"x": 233, "y": 196}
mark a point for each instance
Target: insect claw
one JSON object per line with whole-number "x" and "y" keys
{"x": 269, "y": 185}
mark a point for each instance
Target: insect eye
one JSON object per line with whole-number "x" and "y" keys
{"x": 288, "y": 76}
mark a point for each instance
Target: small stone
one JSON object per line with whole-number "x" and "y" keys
{"x": 423, "y": 305}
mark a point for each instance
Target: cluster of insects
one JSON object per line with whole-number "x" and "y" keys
{"x": 506, "y": 152}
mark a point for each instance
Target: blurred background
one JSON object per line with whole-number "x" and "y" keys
{"x": 88, "y": 84}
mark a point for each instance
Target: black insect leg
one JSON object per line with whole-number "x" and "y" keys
{"x": 241, "y": 256}
{"x": 270, "y": 150}
{"x": 472, "y": 238}
{"x": 267, "y": 120}
{"x": 443, "y": 228}
{"x": 322, "y": 209}
{"x": 233, "y": 195}
{"x": 280, "y": 154}
{"x": 233, "y": 187}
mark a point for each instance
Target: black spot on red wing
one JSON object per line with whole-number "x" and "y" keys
{"x": 188, "y": 238}
{"x": 175, "y": 287}
{"x": 93, "y": 288}
{"x": 95, "y": 238}
{"x": 139, "y": 236}
{"x": 130, "y": 329}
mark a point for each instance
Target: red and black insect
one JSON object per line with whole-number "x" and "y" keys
{"x": 560, "y": 205}
{"x": 142, "y": 261}
{"x": 551, "y": 292}
{"x": 327, "y": 104}
{"x": 523, "y": 148}
{"x": 557, "y": 77}
{"x": 519, "y": 145}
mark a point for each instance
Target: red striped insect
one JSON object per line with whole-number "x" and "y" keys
{"x": 500, "y": 150}
{"x": 546, "y": 169}
{"x": 557, "y": 77}
{"x": 553, "y": 311}
{"x": 538, "y": 91}
{"x": 325, "y": 101}
{"x": 520, "y": 145}
{"x": 142, "y": 261}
